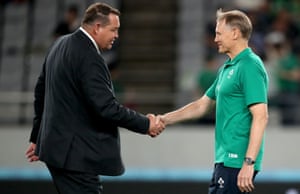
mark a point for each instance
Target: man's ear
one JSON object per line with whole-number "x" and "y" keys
{"x": 97, "y": 28}
{"x": 236, "y": 33}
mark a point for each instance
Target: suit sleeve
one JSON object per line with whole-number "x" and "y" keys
{"x": 39, "y": 93}
{"x": 97, "y": 88}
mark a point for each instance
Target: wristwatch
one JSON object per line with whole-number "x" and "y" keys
{"x": 249, "y": 161}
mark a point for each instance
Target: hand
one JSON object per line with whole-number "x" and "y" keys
{"x": 160, "y": 118}
{"x": 156, "y": 127}
{"x": 31, "y": 157}
{"x": 245, "y": 178}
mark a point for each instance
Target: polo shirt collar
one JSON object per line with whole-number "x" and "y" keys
{"x": 244, "y": 52}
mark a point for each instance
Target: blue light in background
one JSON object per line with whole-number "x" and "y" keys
{"x": 201, "y": 175}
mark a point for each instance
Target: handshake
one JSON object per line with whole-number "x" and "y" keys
{"x": 157, "y": 124}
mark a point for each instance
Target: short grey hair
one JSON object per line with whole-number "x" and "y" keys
{"x": 238, "y": 19}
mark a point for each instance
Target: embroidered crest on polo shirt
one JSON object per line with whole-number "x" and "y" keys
{"x": 230, "y": 74}
{"x": 221, "y": 182}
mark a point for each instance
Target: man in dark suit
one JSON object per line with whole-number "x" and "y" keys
{"x": 75, "y": 128}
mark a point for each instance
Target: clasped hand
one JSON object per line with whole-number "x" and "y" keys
{"x": 156, "y": 126}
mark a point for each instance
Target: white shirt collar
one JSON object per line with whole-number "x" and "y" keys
{"x": 91, "y": 38}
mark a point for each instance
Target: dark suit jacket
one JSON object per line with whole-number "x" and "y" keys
{"x": 76, "y": 113}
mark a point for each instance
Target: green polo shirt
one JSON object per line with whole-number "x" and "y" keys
{"x": 241, "y": 82}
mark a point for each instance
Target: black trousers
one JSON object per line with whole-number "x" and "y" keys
{"x": 224, "y": 180}
{"x": 72, "y": 182}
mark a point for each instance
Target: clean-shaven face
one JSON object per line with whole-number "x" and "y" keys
{"x": 109, "y": 33}
{"x": 224, "y": 37}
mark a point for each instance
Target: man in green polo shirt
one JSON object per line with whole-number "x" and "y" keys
{"x": 240, "y": 96}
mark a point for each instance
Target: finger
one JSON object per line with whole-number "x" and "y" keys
{"x": 242, "y": 188}
{"x": 152, "y": 133}
{"x": 159, "y": 128}
{"x": 162, "y": 124}
{"x": 30, "y": 159}
{"x": 250, "y": 185}
{"x": 29, "y": 154}
{"x": 150, "y": 116}
{"x": 246, "y": 186}
{"x": 33, "y": 158}
{"x": 157, "y": 120}
{"x": 156, "y": 133}
{"x": 240, "y": 184}
{"x": 29, "y": 150}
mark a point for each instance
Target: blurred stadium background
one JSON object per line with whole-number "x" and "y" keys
{"x": 165, "y": 47}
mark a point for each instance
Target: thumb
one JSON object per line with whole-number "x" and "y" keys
{"x": 150, "y": 116}
{"x": 157, "y": 119}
